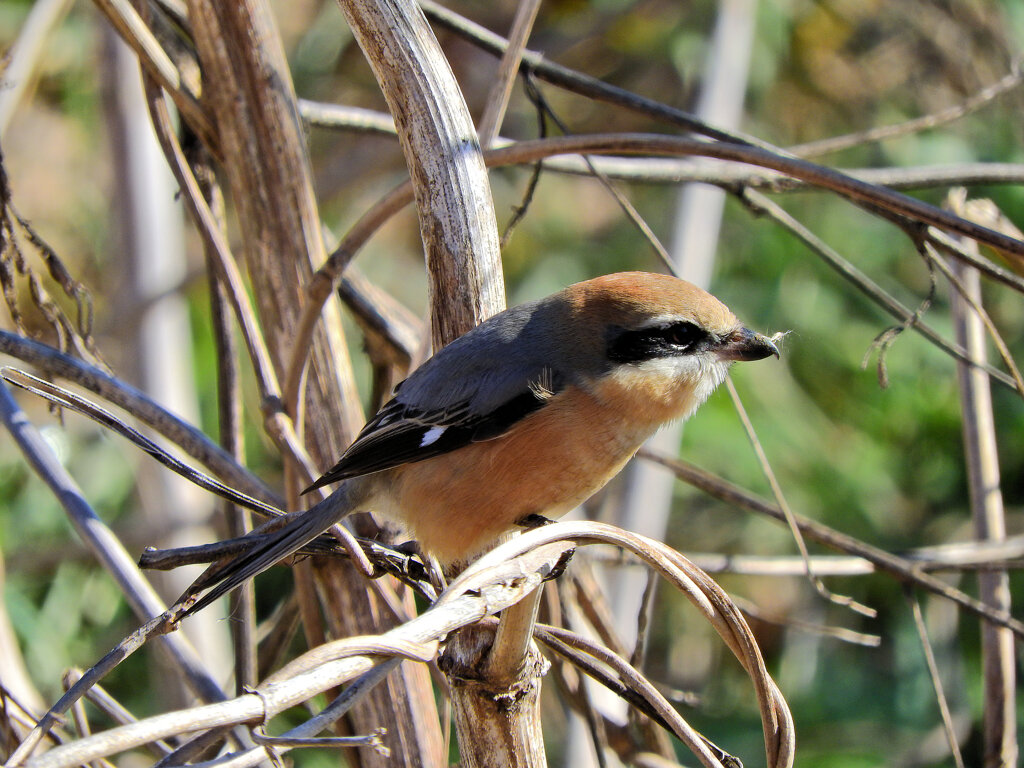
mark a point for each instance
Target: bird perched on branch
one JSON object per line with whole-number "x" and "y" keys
{"x": 526, "y": 415}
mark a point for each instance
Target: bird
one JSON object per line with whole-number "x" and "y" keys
{"x": 524, "y": 417}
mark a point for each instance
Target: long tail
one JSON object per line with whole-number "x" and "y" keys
{"x": 279, "y": 544}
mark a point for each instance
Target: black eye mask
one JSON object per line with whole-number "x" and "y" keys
{"x": 669, "y": 340}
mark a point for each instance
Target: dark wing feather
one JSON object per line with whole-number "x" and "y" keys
{"x": 401, "y": 434}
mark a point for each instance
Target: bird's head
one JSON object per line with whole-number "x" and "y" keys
{"x": 664, "y": 344}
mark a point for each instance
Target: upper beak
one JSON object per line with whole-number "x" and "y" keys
{"x": 745, "y": 344}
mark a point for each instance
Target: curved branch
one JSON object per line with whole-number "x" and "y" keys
{"x": 179, "y": 432}
{"x": 456, "y": 213}
{"x": 853, "y": 189}
{"x": 901, "y": 568}
{"x": 699, "y": 588}
{"x": 858, "y": 190}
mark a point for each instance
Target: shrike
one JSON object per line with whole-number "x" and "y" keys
{"x": 528, "y": 414}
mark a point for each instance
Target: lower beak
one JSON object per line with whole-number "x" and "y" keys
{"x": 745, "y": 344}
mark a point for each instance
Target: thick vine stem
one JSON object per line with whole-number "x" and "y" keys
{"x": 248, "y": 93}
{"x": 460, "y": 239}
{"x": 453, "y": 196}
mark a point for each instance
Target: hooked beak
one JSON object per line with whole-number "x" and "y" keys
{"x": 745, "y": 344}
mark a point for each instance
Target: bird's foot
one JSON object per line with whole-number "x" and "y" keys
{"x": 532, "y": 521}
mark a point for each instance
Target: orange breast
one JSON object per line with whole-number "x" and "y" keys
{"x": 457, "y": 504}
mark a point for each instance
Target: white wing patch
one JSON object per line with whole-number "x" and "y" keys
{"x": 431, "y": 436}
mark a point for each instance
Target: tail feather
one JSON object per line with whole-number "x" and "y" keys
{"x": 277, "y": 545}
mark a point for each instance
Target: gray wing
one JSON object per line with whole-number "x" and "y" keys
{"x": 456, "y": 398}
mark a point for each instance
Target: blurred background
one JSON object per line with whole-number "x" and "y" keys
{"x": 883, "y": 464}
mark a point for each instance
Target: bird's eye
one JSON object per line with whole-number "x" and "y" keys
{"x": 673, "y": 339}
{"x": 683, "y": 334}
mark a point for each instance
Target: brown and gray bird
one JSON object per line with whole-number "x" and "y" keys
{"x": 528, "y": 414}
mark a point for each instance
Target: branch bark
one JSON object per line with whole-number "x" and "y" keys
{"x": 982, "y": 459}
{"x": 497, "y": 711}
{"x": 249, "y": 96}
{"x": 453, "y": 199}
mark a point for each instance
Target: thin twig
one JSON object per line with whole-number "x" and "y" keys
{"x": 321, "y": 285}
{"x": 566, "y": 610}
{"x": 981, "y": 456}
{"x": 858, "y": 192}
{"x": 762, "y": 205}
{"x": 639, "y": 655}
{"x": 372, "y": 740}
{"x": 204, "y": 743}
{"x": 69, "y": 400}
{"x": 497, "y": 101}
{"x": 580, "y": 83}
{"x": 968, "y": 556}
{"x": 304, "y": 734}
{"x": 242, "y": 602}
{"x": 620, "y": 199}
{"x": 934, "y": 676}
{"x": 348, "y": 118}
{"x": 278, "y": 425}
{"x": 157, "y": 626}
{"x": 630, "y": 680}
{"x": 780, "y": 500}
{"x": 588, "y": 598}
{"x": 216, "y": 244}
{"x": 182, "y": 434}
{"x": 24, "y": 55}
{"x": 139, "y": 593}
{"x": 113, "y": 709}
{"x": 158, "y": 65}
{"x": 276, "y": 634}
{"x": 81, "y": 720}
{"x": 655, "y": 739}
{"x": 879, "y": 133}
{"x": 965, "y": 557}
{"x": 664, "y": 170}
{"x": 821, "y": 630}
{"x": 975, "y": 304}
{"x": 902, "y": 568}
